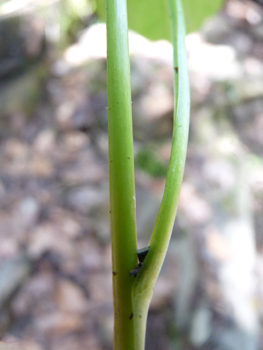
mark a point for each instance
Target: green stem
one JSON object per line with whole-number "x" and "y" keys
{"x": 121, "y": 162}
{"x": 146, "y": 279}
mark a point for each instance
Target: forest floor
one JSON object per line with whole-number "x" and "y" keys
{"x": 55, "y": 253}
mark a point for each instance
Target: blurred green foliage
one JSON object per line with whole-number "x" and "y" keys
{"x": 73, "y": 17}
{"x": 146, "y": 17}
{"x": 147, "y": 160}
{"x": 151, "y": 19}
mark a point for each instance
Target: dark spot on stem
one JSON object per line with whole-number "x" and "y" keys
{"x": 128, "y": 157}
{"x": 114, "y": 273}
{"x": 134, "y": 272}
{"x": 131, "y": 316}
{"x": 176, "y": 69}
{"x": 140, "y": 316}
{"x": 142, "y": 253}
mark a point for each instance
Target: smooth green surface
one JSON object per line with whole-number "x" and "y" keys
{"x": 151, "y": 18}
{"x": 146, "y": 279}
{"x": 122, "y": 189}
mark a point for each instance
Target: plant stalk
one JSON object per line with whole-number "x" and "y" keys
{"x": 145, "y": 281}
{"x": 121, "y": 164}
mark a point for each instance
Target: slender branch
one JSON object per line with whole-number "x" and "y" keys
{"x": 147, "y": 276}
{"x": 122, "y": 189}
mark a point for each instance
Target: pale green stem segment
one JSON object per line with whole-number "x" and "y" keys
{"x": 146, "y": 279}
{"x": 122, "y": 188}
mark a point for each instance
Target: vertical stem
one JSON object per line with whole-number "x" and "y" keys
{"x": 146, "y": 279}
{"x": 122, "y": 188}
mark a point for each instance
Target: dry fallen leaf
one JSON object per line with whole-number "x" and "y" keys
{"x": 8, "y": 346}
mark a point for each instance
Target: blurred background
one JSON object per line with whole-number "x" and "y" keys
{"x": 55, "y": 254}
